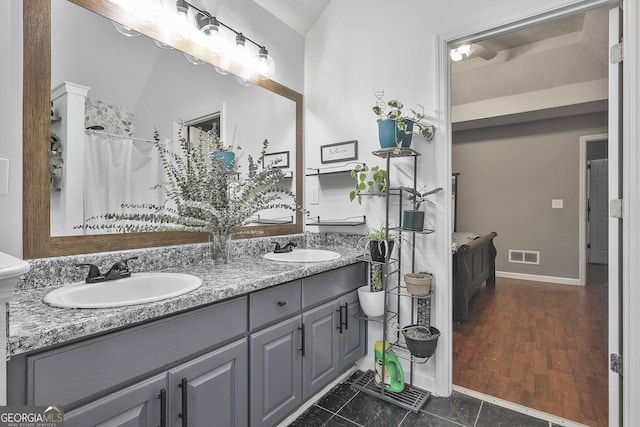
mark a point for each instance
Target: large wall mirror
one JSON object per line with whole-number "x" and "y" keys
{"x": 159, "y": 92}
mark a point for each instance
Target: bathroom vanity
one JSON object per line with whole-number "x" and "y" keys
{"x": 244, "y": 349}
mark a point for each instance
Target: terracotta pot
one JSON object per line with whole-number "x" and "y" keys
{"x": 418, "y": 283}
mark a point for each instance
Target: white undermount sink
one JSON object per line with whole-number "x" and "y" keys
{"x": 140, "y": 288}
{"x": 303, "y": 255}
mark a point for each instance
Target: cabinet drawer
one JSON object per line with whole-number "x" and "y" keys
{"x": 332, "y": 284}
{"x": 73, "y": 372}
{"x": 274, "y": 304}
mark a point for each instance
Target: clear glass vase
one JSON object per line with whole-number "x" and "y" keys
{"x": 219, "y": 241}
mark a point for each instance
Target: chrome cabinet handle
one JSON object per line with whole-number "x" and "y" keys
{"x": 183, "y": 385}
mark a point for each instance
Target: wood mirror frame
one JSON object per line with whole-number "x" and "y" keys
{"x": 36, "y": 234}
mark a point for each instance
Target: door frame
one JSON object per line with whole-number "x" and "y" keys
{"x": 631, "y": 180}
{"x": 582, "y": 206}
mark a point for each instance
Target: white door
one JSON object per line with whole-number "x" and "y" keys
{"x": 615, "y": 226}
{"x": 598, "y": 212}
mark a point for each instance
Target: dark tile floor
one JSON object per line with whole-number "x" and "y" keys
{"x": 345, "y": 406}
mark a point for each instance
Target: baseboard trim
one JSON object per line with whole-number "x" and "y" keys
{"x": 537, "y": 278}
{"x": 518, "y": 408}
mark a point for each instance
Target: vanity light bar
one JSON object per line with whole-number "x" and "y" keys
{"x": 209, "y": 24}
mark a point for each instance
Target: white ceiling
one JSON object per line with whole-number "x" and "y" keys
{"x": 297, "y": 14}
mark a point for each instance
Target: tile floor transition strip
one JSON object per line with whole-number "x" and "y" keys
{"x": 411, "y": 398}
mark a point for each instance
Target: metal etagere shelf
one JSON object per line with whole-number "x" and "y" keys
{"x": 412, "y": 398}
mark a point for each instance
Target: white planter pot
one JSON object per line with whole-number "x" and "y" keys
{"x": 371, "y": 303}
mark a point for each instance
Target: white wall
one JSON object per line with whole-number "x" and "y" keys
{"x": 11, "y": 113}
{"x": 360, "y": 46}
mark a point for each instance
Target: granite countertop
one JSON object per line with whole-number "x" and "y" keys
{"x": 35, "y": 325}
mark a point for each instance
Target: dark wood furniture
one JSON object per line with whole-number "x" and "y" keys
{"x": 473, "y": 264}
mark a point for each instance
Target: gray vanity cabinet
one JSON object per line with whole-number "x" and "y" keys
{"x": 140, "y": 405}
{"x": 324, "y": 333}
{"x": 276, "y": 371}
{"x": 212, "y": 389}
{"x": 353, "y": 334}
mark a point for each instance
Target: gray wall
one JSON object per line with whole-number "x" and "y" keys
{"x": 508, "y": 177}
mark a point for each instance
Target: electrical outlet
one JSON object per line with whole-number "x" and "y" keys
{"x": 314, "y": 196}
{"x": 4, "y": 177}
{"x": 557, "y": 203}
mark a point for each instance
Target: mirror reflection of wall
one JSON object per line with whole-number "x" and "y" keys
{"x": 137, "y": 87}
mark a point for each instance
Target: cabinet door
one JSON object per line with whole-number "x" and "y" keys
{"x": 353, "y": 338}
{"x": 139, "y": 405}
{"x": 212, "y": 389}
{"x": 276, "y": 368}
{"x": 321, "y": 358}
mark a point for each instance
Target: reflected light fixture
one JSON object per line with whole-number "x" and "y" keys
{"x": 124, "y": 30}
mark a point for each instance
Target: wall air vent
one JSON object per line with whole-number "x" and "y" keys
{"x": 524, "y": 257}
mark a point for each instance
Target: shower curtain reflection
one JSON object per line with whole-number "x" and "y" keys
{"x": 119, "y": 170}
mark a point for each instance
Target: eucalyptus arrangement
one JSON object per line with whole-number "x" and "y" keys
{"x": 204, "y": 195}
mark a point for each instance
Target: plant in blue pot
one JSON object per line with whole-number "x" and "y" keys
{"x": 221, "y": 152}
{"x": 413, "y": 219}
{"x": 396, "y": 129}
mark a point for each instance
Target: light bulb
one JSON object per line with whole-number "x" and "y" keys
{"x": 264, "y": 64}
{"x": 240, "y": 53}
{"x": 461, "y": 52}
{"x": 210, "y": 28}
{"x": 183, "y": 9}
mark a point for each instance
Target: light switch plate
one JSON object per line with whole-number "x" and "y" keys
{"x": 557, "y": 203}
{"x": 314, "y": 196}
{"x": 4, "y": 177}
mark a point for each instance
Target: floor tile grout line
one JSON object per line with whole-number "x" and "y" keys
{"x": 478, "y": 415}
{"x": 344, "y": 418}
{"x": 443, "y": 418}
{"x": 340, "y": 408}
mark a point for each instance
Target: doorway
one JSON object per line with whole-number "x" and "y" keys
{"x": 493, "y": 380}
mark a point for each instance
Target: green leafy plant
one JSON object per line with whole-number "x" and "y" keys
{"x": 55, "y": 164}
{"x": 204, "y": 195}
{"x": 376, "y": 278}
{"x": 382, "y": 238}
{"x": 374, "y": 182}
{"x": 394, "y": 112}
{"x": 417, "y": 197}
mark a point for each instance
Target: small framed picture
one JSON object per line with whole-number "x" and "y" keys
{"x": 339, "y": 152}
{"x": 276, "y": 160}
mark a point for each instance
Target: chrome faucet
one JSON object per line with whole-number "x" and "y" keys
{"x": 284, "y": 249}
{"x": 119, "y": 270}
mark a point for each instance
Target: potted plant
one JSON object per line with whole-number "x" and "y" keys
{"x": 55, "y": 165}
{"x": 368, "y": 180}
{"x": 378, "y": 243}
{"x": 421, "y": 340}
{"x": 222, "y": 152}
{"x": 371, "y": 296}
{"x": 396, "y": 129}
{"x": 413, "y": 219}
{"x": 418, "y": 283}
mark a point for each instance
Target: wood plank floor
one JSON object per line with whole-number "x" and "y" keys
{"x": 540, "y": 345}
